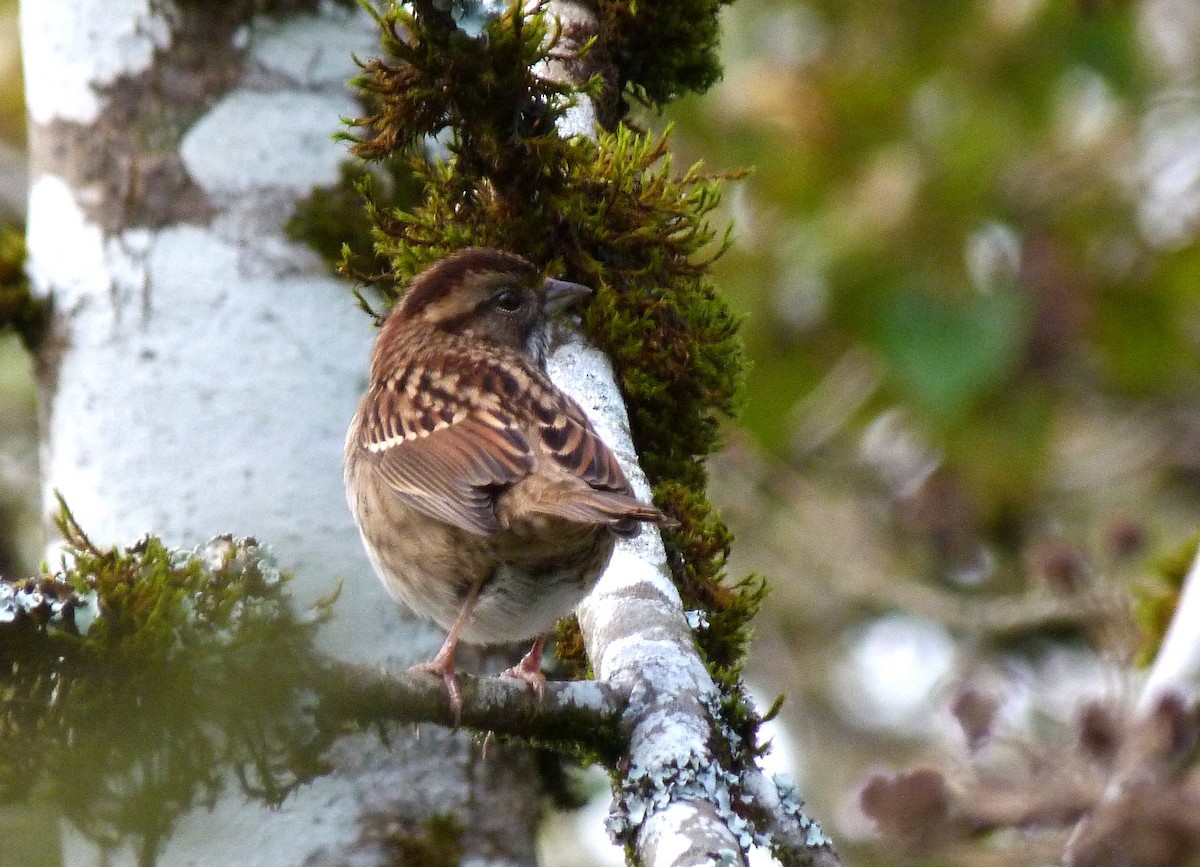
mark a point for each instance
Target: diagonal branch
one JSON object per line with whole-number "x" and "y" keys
{"x": 677, "y": 805}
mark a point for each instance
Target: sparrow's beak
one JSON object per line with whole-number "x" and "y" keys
{"x": 562, "y": 294}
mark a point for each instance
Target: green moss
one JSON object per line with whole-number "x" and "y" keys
{"x": 662, "y": 50}
{"x": 134, "y": 679}
{"x": 611, "y": 213}
{"x": 479, "y": 87}
{"x": 19, "y": 310}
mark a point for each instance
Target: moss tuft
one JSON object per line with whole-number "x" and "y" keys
{"x": 663, "y": 50}
{"x": 135, "y": 678}
{"x": 437, "y": 77}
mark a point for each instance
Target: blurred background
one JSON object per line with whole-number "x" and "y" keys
{"x": 967, "y": 260}
{"x": 19, "y": 491}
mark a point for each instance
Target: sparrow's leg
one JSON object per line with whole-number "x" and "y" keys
{"x": 529, "y": 669}
{"x": 442, "y": 663}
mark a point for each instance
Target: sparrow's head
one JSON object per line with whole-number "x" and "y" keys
{"x": 487, "y": 295}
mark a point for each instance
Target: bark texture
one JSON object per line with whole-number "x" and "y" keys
{"x": 202, "y": 369}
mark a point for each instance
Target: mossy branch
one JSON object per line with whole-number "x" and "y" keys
{"x": 135, "y": 680}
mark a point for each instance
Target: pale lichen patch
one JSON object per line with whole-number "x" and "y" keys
{"x": 57, "y": 223}
{"x": 309, "y": 50}
{"x": 73, "y": 51}
{"x": 235, "y": 147}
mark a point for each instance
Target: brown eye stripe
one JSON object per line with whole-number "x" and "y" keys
{"x": 456, "y": 324}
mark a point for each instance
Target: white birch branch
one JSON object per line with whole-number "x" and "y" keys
{"x": 639, "y": 643}
{"x": 678, "y": 806}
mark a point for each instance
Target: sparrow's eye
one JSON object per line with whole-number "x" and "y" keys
{"x": 509, "y": 300}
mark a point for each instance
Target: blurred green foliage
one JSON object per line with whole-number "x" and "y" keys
{"x": 951, "y": 189}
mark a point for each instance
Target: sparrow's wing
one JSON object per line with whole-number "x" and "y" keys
{"x": 444, "y": 455}
{"x": 589, "y": 485}
{"x": 567, "y": 437}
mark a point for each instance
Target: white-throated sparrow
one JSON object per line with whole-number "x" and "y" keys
{"x": 486, "y": 501}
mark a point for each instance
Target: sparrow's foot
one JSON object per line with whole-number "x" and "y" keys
{"x": 529, "y": 669}
{"x": 443, "y": 666}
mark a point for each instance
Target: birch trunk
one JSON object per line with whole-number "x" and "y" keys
{"x": 202, "y": 369}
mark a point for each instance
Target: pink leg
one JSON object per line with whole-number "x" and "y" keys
{"x": 442, "y": 663}
{"x": 529, "y": 669}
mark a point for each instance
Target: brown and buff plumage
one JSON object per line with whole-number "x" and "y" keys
{"x": 486, "y": 501}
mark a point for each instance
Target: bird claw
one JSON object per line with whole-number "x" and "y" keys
{"x": 529, "y": 669}
{"x": 535, "y": 679}
{"x": 449, "y": 678}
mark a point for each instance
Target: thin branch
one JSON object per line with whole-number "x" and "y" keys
{"x": 568, "y": 713}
